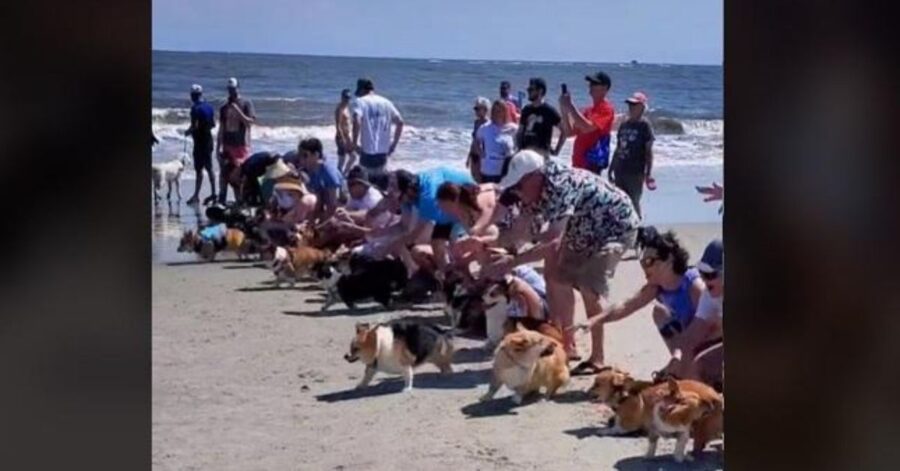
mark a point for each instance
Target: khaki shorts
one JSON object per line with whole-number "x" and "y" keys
{"x": 593, "y": 271}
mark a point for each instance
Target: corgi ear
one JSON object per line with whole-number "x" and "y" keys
{"x": 362, "y": 327}
{"x": 548, "y": 349}
{"x": 674, "y": 390}
{"x": 619, "y": 380}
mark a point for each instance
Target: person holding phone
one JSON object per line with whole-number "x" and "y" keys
{"x": 590, "y": 126}
{"x": 633, "y": 160}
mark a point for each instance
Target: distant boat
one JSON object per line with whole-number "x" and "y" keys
{"x": 634, "y": 62}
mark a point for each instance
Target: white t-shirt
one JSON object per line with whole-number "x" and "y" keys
{"x": 499, "y": 143}
{"x": 367, "y": 202}
{"x": 709, "y": 308}
{"x": 375, "y": 113}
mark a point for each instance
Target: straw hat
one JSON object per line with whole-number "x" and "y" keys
{"x": 291, "y": 185}
{"x": 277, "y": 170}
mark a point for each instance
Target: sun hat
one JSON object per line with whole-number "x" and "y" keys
{"x": 277, "y": 170}
{"x": 713, "y": 259}
{"x": 291, "y": 185}
{"x": 521, "y": 164}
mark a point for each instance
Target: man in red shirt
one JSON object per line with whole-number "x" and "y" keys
{"x": 592, "y": 124}
{"x": 511, "y": 105}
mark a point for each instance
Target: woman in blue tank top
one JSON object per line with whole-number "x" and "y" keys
{"x": 674, "y": 286}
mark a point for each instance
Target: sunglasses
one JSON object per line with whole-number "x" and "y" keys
{"x": 648, "y": 262}
{"x": 709, "y": 276}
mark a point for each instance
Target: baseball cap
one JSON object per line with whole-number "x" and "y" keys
{"x": 364, "y": 85}
{"x": 599, "y": 78}
{"x": 358, "y": 174}
{"x": 637, "y": 97}
{"x": 482, "y": 101}
{"x": 232, "y": 83}
{"x": 521, "y": 164}
{"x": 195, "y": 88}
{"x": 713, "y": 259}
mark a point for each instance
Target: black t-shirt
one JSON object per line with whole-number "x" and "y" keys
{"x": 631, "y": 148}
{"x": 538, "y": 122}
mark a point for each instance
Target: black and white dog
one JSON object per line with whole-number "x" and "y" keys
{"x": 362, "y": 278}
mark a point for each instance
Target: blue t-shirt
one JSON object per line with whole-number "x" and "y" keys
{"x": 203, "y": 119}
{"x": 327, "y": 177}
{"x": 429, "y": 181}
{"x": 679, "y": 300}
{"x": 213, "y": 233}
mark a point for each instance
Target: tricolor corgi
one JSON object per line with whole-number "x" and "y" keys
{"x": 397, "y": 348}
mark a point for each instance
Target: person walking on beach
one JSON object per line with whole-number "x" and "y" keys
{"x": 495, "y": 144}
{"x": 203, "y": 120}
{"x": 591, "y": 126}
{"x": 373, "y": 116}
{"x": 633, "y": 160}
{"x": 473, "y": 162}
{"x": 236, "y": 117}
{"x": 538, "y": 120}
{"x": 511, "y": 104}
{"x": 591, "y": 222}
{"x": 342, "y": 137}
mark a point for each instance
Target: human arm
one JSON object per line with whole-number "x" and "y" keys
{"x": 549, "y": 242}
{"x": 398, "y": 129}
{"x": 624, "y": 309}
{"x": 713, "y": 193}
{"x": 649, "y": 153}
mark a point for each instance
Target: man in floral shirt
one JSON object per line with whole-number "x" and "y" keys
{"x": 591, "y": 223}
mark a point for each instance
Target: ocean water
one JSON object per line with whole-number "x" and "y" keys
{"x": 295, "y": 98}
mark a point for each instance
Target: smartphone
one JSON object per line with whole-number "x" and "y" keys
{"x": 565, "y": 89}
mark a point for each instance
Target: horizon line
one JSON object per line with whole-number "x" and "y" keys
{"x": 431, "y": 58}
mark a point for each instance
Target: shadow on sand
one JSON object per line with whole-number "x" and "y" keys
{"x": 254, "y": 289}
{"x": 708, "y": 460}
{"x": 467, "y": 379}
{"x": 335, "y": 311}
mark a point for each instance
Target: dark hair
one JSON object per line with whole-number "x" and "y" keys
{"x": 311, "y": 145}
{"x": 539, "y": 84}
{"x": 602, "y": 78}
{"x": 406, "y": 180}
{"x": 666, "y": 245}
{"x": 506, "y": 84}
{"x": 466, "y": 195}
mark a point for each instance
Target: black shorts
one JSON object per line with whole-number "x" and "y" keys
{"x": 203, "y": 155}
{"x": 669, "y": 329}
{"x": 491, "y": 178}
{"x": 441, "y": 231}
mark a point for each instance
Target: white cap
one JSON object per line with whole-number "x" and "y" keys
{"x": 195, "y": 88}
{"x": 482, "y": 101}
{"x": 521, "y": 164}
{"x": 232, "y": 83}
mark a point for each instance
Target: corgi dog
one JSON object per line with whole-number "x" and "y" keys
{"x": 170, "y": 172}
{"x": 361, "y": 278}
{"x": 398, "y": 348}
{"x": 675, "y": 415}
{"x": 292, "y": 263}
{"x": 232, "y": 240}
{"x": 526, "y": 361}
{"x": 633, "y": 402}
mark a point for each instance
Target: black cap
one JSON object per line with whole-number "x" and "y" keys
{"x": 345, "y": 93}
{"x": 364, "y": 85}
{"x": 599, "y": 78}
{"x": 537, "y": 82}
{"x": 358, "y": 174}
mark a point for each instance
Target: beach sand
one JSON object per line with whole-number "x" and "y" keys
{"x": 246, "y": 376}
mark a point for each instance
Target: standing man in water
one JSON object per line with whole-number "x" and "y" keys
{"x": 373, "y": 116}
{"x": 538, "y": 120}
{"x": 236, "y": 117}
{"x": 342, "y": 137}
{"x": 511, "y": 104}
{"x": 203, "y": 120}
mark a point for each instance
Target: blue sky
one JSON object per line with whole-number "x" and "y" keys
{"x": 667, "y": 31}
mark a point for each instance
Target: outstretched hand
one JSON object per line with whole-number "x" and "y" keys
{"x": 714, "y": 193}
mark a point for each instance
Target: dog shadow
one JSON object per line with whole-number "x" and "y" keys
{"x": 359, "y": 311}
{"x": 601, "y": 432}
{"x": 197, "y": 262}
{"x": 493, "y": 408}
{"x": 471, "y": 355}
{"x": 245, "y": 265}
{"x": 467, "y": 379}
{"x": 253, "y": 289}
{"x": 706, "y": 460}
{"x": 572, "y": 396}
